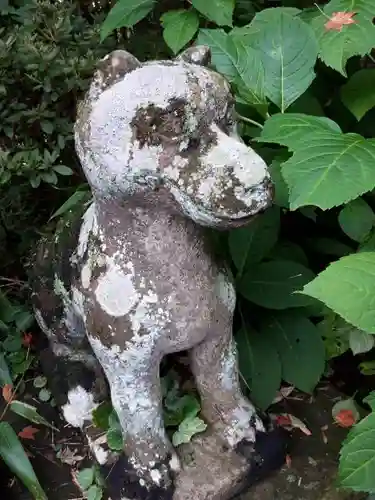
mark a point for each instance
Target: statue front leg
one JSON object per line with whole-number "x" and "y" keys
{"x": 147, "y": 466}
{"x": 214, "y": 364}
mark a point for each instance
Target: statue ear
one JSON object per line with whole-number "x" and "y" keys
{"x": 114, "y": 66}
{"x": 199, "y": 54}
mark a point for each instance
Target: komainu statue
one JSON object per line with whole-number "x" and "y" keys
{"x": 132, "y": 278}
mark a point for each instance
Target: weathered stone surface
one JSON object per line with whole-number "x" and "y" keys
{"x": 212, "y": 473}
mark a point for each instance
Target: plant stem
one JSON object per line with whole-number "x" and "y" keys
{"x": 249, "y": 120}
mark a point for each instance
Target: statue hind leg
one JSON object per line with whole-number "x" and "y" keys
{"x": 75, "y": 377}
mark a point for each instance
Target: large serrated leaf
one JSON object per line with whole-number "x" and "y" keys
{"x": 358, "y": 94}
{"x": 13, "y": 454}
{"x": 238, "y": 62}
{"x": 273, "y": 284}
{"x": 357, "y": 457}
{"x": 328, "y": 160}
{"x": 293, "y": 129}
{"x": 250, "y": 244}
{"x": 347, "y": 286}
{"x": 218, "y": 11}
{"x": 336, "y": 47}
{"x": 259, "y": 365}
{"x": 179, "y": 27}
{"x": 300, "y": 347}
{"x": 288, "y": 50}
{"x": 125, "y": 13}
{"x": 364, "y": 7}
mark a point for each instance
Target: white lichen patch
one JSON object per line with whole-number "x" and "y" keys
{"x": 79, "y": 408}
{"x": 115, "y": 292}
{"x": 148, "y": 314}
{"x": 240, "y": 427}
{"x": 156, "y": 476}
{"x": 226, "y": 292}
{"x": 89, "y": 226}
{"x": 228, "y": 375}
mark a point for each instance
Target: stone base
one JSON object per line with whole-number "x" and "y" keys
{"x": 209, "y": 472}
{"x": 213, "y": 473}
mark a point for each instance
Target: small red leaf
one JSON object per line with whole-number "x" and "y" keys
{"x": 8, "y": 392}
{"x": 345, "y": 418}
{"x": 283, "y": 420}
{"x": 28, "y": 432}
{"x": 339, "y": 19}
{"x": 27, "y": 339}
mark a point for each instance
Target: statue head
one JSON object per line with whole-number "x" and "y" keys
{"x": 170, "y": 124}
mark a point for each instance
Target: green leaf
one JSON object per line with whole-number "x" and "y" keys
{"x": 47, "y": 127}
{"x": 370, "y": 400}
{"x": 364, "y": 7}
{"x": 49, "y": 177}
{"x": 179, "y": 408}
{"x": 357, "y": 457}
{"x": 76, "y": 198}
{"x": 237, "y": 61}
{"x": 336, "y": 47}
{"x": 179, "y": 27}
{"x": 7, "y": 311}
{"x": 287, "y": 250}
{"x": 30, "y": 413}
{"x": 293, "y": 129}
{"x": 94, "y": 493}
{"x": 44, "y": 395}
{"x": 358, "y": 94}
{"x": 125, "y": 13}
{"x": 360, "y": 341}
{"x": 347, "y": 286}
{"x": 328, "y": 160}
{"x": 63, "y": 170}
{"x": 85, "y": 478}
{"x": 281, "y": 197}
{"x": 115, "y": 439}
{"x": 218, "y": 11}
{"x": 260, "y": 366}
{"x": 300, "y": 347}
{"x": 187, "y": 429}
{"x": 356, "y": 219}
{"x": 273, "y": 284}
{"x": 13, "y": 454}
{"x": 289, "y": 50}
{"x": 24, "y": 320}
{"x": 100, "y": 416}
{"x": 5, "y": 377}
{"x": 40, "y": 382}
{"x": 251, "y": 243}
{"x": 329, "y": 246}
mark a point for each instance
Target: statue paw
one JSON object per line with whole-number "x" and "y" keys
{"x": 267, "y": 454}
{"x": 132, "y": 482}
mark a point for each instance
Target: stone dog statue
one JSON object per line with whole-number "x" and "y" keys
{"x": 134, "y": 279}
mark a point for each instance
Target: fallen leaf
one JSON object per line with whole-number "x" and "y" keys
{"x": 69, "y": 456}
{"x": 27, "y": 339}
{"x": 289, "y": 421}
{"x": 283, "y": 393}
{"x": 288, "y": 461}
{"x": 283, "y": 420}
{"x": 339, "y": 19}
{"x": 8, "y": 394}
{"x": 28, "y": 432}
{"x": 345, "y": 418}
